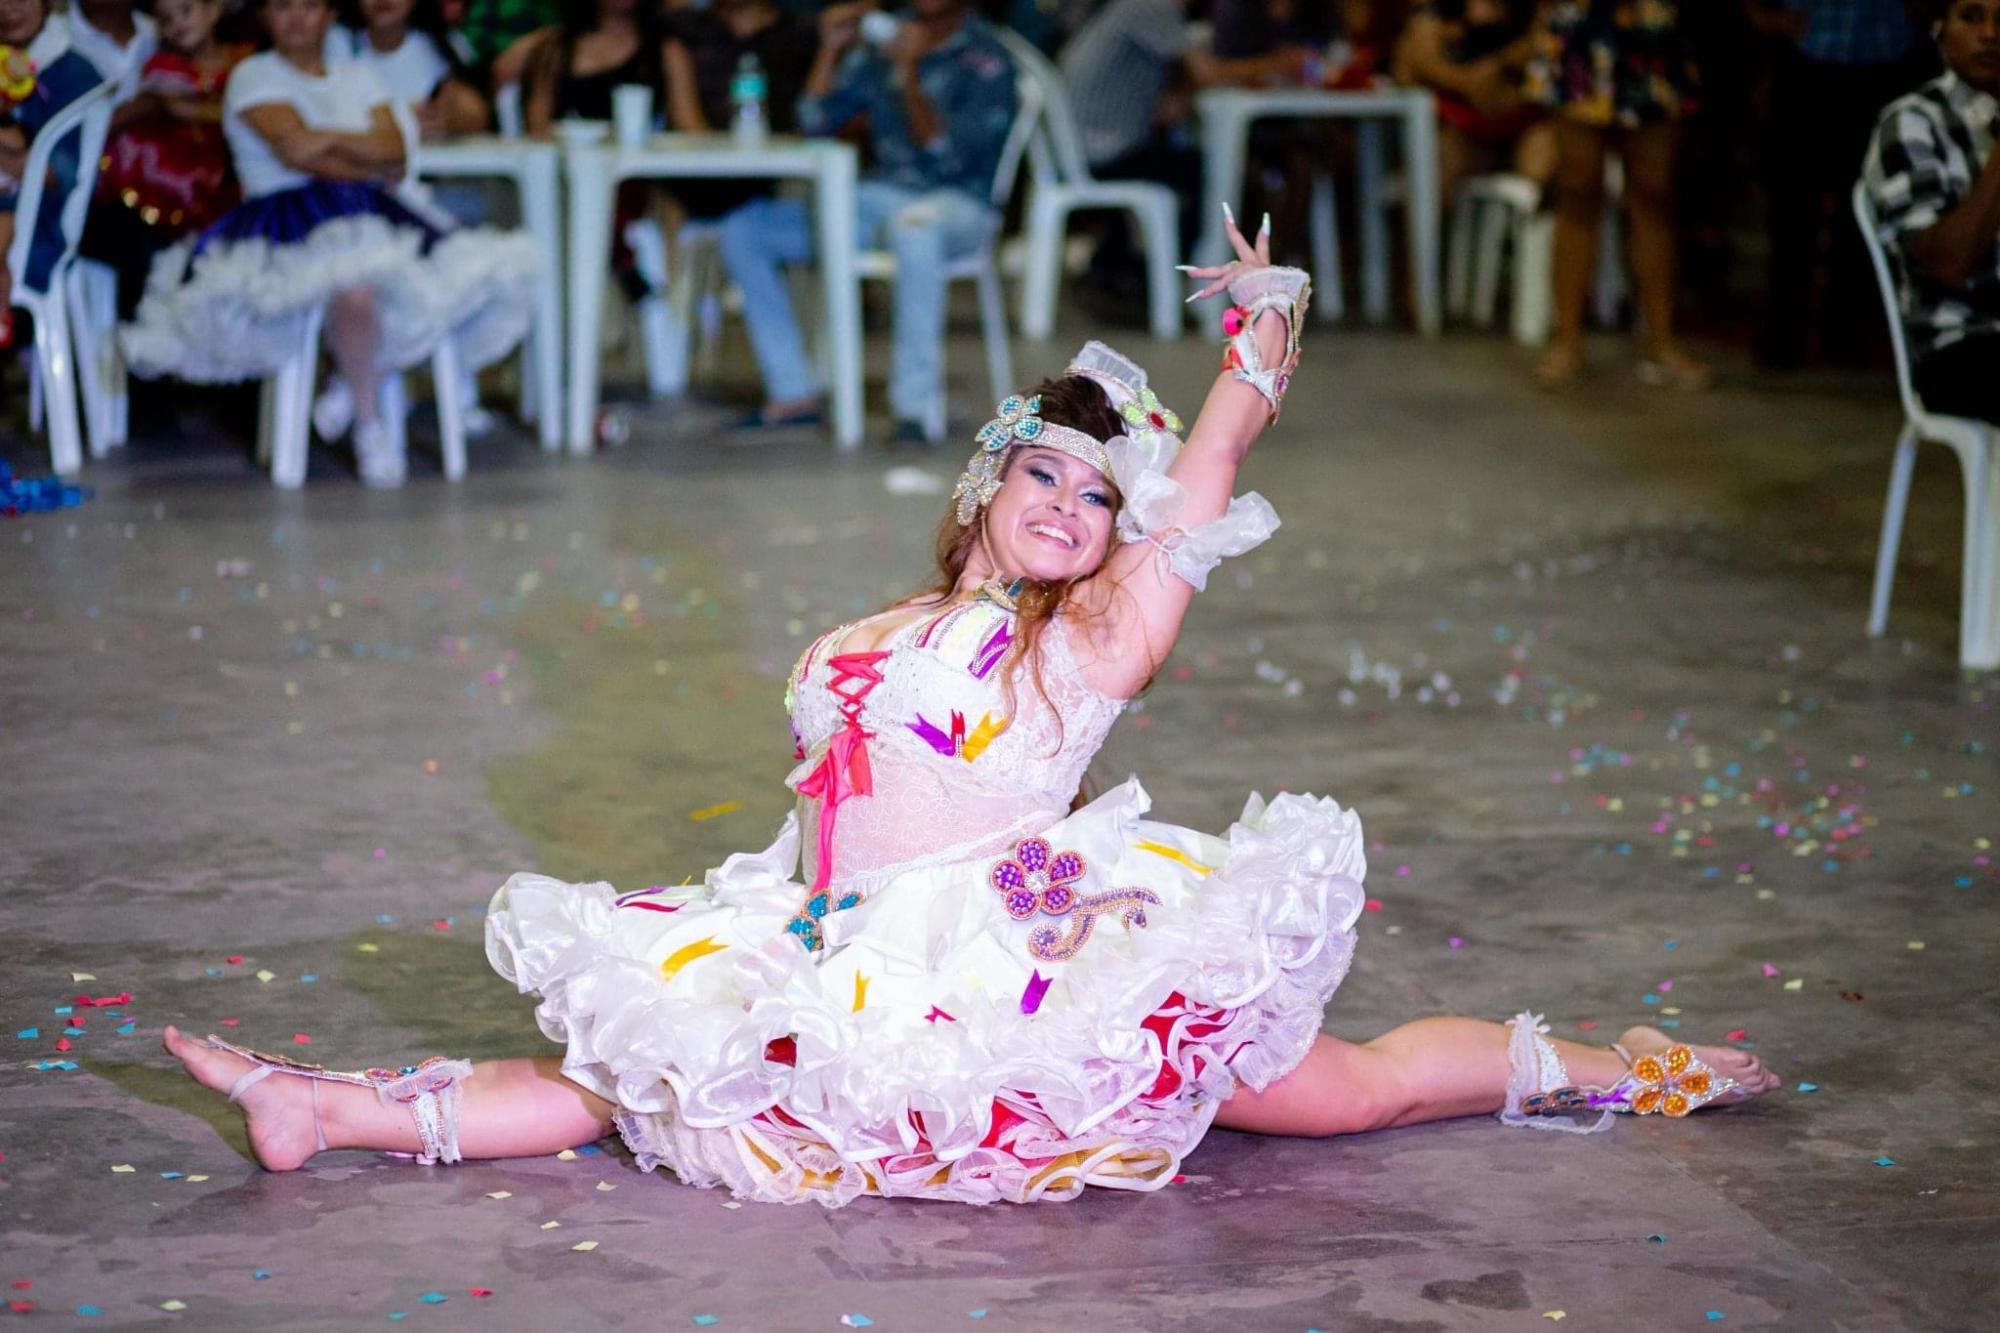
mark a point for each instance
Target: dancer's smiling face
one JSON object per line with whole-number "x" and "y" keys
{"x": 1052, "y": 519}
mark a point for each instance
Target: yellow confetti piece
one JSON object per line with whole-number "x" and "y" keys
{"x": 604, "y": 1187}
{"x": 550, "y": 1226}
{"x": 123, "y": 1169}
{"x": 266, "y": 974}
{"x": 1671, "y": 1010}
{"x": 368, "y": 948}
{"x": 1557, "y": 1315}
{"x": 715, "y": 811}
{"x": 501, "y": 1194}
{"x": 1173, "y": 854}
{"x": 584, "y": 1246}
{"x": 1796, "y": 983}
{"x": 83, "y": 976}
{"x": 1392, "y": 930}
{"x": 196, "y": 1180}
{"x": 733, "y": 1206}
{"x": 566, "y": 1155}
{"x": 173, "y": 1305}
{"x": 687, "y": 953}
{"x": 860, "y": 992}
{"x": 1914, "y": 944}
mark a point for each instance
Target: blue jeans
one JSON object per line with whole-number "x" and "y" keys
{"x": 925, "y": 231}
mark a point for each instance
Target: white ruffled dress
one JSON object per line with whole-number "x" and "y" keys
{"x": 938, "y": 982}
{"x": 232, "y": 303}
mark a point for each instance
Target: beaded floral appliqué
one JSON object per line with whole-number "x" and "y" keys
{"x": 1039, "y": 879}
{"x": 806, "y": 925}
{"x": 1148, "y": 413}
{"x": 1674, "y": 1083}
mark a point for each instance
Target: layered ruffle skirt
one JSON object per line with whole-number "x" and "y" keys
{"x": 941, "y": 1044}
{"x": 232, "y": 302}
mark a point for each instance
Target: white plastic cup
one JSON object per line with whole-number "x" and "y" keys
{"x": 632, "y": 114}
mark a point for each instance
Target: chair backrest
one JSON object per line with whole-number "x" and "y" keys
{"x": 1057, "y": 150}
{"x": 56, "y": 182}
{"x": 507, "y": 110}
{"x": 1027, "y": 115}
{"x": 1892, "y": 304}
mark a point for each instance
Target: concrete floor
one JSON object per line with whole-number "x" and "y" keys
{"x": 1590, "y": 667}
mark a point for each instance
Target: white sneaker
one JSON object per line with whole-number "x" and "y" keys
{"x": 376, "y": 456}
{"x": 476, "y": 420}
{"x": 333, "y": 410}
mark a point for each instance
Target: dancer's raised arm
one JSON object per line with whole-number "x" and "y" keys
{"x": 1179, "y": 516}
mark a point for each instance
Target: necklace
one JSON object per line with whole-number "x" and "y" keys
{"x": 1002, "y": 593}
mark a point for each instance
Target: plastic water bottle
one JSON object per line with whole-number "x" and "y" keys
{"x": 746, "y": 90}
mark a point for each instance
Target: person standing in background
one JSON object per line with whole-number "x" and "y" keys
{"x": 705, "y": 47}
{"x": 115, "y": 37}
{"x": 1838, "y": 63}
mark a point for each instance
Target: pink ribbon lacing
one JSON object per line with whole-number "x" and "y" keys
{"x": 843, "y": 770}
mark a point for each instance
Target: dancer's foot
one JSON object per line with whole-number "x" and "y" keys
{"x": 1752, "y": 1078}
{"x": 277, "y": 1112}
{"x": 1670, "y": 367}
{"x": 1561, "y": 366}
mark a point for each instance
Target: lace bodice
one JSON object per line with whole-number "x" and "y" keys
{"x": 952, "y": 766}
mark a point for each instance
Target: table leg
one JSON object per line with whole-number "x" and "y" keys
{"x": 1368, "y": 202}
{"x": 1224, "y": 145}
{"x": 590, "y": 208}
{"x": 835, "y": 207}
{"x": 1420, "y": 209}
{"x": 540, "y": 213}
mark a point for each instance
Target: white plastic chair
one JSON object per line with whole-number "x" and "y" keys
{"x": 1973, "y": 441}
{"x": 91, "y": 291}
{"x": 53, "y": 387}
{"x": 1062, "y": 184}
{"x": 1498, "y": 215}
{"x": 284, "y": 429}
{"x": 982, "y": 266}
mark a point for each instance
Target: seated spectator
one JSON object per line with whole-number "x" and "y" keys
{"x": 1935, "y": 181}
{"x": 114, "y": 36}
{"x": 936, "y": 94}
{"x": 704, "y": 48}
{"x": 319, "y": 153}
{"x": 413, "y": 56}
{"x": 166, "y": 171}
{"x": 491, "y": 27}
{"x": 568, "y": 71}
{"x": 1472, "y": 55}
{"x": 39, "y": 76}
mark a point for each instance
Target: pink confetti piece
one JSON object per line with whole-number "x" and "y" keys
{"x": 1740, "y": 1034}
{"x": 1770, "y": 971}
{"x": 1455, "y": 942}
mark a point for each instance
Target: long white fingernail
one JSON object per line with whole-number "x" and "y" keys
{"x": 1265, "y": 230}
{"x": 1228, "y": 212}
{"x": 1196, "y": 297}
{"x": 1184, "y": 268}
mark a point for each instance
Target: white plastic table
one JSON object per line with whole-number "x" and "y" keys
{"x": 1226, "y": 114}
{"x": 532, "y": 166}
{"x": 594, "y": 173}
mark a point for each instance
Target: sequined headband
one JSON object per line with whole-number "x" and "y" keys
{"x": 1018, "y": 421}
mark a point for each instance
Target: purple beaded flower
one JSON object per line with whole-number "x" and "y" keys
{"x": 1037, "y": 878}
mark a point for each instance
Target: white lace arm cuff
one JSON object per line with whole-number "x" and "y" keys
{"x": 1154, "y": 502}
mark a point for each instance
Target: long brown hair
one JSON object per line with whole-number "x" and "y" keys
{"x": 1071, "y": 401}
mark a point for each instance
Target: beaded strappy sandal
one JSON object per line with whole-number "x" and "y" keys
{"x": 1540, "y": 1094}
{"x": 429, "y": 1090}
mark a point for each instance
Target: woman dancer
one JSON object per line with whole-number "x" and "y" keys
{"x": 969, "y": 993}
{"x": 319, "y": 155}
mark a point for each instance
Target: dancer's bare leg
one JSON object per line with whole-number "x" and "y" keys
{"x": 508, "y": 1108}
{"x": 1650, "y": 153}
{"x": 1579, "y": 207}
{"x": 1434, "y": 1069}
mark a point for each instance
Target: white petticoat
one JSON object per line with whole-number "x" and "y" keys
{"x": 239, "y": 313}
{"x": 903, "y": 1062}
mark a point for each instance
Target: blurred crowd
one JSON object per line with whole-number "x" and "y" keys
{"x": 1728, "y": 132}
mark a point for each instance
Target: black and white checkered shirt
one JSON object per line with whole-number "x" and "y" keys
{"x": 1928, "y": 148}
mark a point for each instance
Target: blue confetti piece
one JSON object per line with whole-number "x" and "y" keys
{"x": 434, "y": 1298}
{"x": 213, "y": 971}
{"x": 980, "y": 1313}
{"x": 47, "y": 1065}
{"x": 127, "y": 1029}
{"x": 309, "y": 977}
{"x": 1713, "y": 1316}
{"x": 260, "y": 1275}
{"x": 170, "y": 1175}
{"x": 1671, "y": 944}
{"x": 398, "y": 1314}
{"x": 857, "y": 1321}
{"x": 1658, "y": 1238}
{"x": 1808, "y": 1087}
{"x": 385, "y": 920}
{"x": 704, "y": 1320}
{"x": 28, "y": 1034}
{"x": 1885, "y": 1161}
{"x": 1649, "y": 999}
{"x": 72, "y": 1032}
{"x": 88, "y": 1311}
{"x": 64, "y": 1009}
{"x": 588, "y": 1150}
{"x": 1670, "y": 1022}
